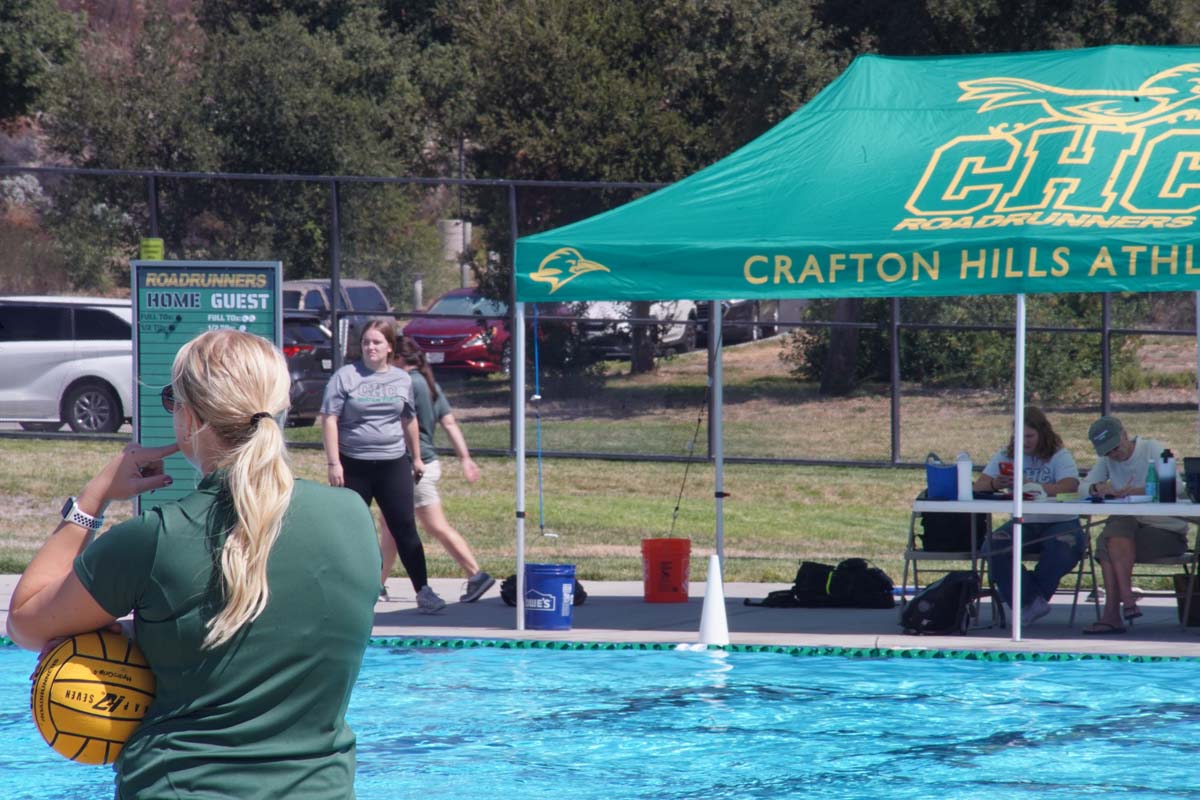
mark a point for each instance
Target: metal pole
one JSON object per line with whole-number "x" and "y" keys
{"x": 1105, "y": 353}
{"x": 895, "y": 370}
{"x": 462, "y": 168}
{"x": 152, "y": 204}
{"x": 335, "y": 271}
{"x": 518, "y": 376}
{"x": 1018, "y": 470}
{"x": 517, "y": 405}
{"x": 716, "y": 412}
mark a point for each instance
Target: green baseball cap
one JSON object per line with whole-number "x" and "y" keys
{"x": 1105, "y": 434}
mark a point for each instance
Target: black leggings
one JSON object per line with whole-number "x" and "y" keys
{"x": 390, "y": 483}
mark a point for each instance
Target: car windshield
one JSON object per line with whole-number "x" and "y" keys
{"x": 291, "y": 298}
{"x": 469, "y": 304}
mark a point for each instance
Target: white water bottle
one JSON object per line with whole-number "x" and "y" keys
{"x": 963, "y": 465}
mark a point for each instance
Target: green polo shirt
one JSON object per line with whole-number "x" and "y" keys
{"x": 262, "y": 716}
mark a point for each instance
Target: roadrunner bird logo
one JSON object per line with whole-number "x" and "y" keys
{"x": 1165, "y": 97}
{"x": 564, "y": 261}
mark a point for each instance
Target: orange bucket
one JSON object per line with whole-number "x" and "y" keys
{"x": 665, "y": 570}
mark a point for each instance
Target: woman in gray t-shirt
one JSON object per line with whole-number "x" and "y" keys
{"x": 372, "y": 445}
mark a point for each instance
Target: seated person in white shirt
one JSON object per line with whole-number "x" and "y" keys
{"x": 1121, "y": 471}
{"x": 1056, "y": 539}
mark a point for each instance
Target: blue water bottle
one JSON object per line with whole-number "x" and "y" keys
{"x": 1152, "y": 482}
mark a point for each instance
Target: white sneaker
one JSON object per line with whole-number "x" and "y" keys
{"x": 428, "y": 602}
{"x": 1034, "y": 611}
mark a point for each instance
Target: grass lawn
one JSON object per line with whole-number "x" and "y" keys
{"x": 602, "y": 509}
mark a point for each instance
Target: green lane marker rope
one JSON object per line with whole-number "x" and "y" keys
{"x": 847, "y": 652}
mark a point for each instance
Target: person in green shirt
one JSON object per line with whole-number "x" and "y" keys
{"x": 253, "y": 596}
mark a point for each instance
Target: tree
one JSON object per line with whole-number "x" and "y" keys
{"x": 36, "y": 39}
{"x": 279, "y": 96}
{"x": 623, "y": 91}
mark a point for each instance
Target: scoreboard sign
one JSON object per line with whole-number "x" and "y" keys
{"x": 173, "y": 302}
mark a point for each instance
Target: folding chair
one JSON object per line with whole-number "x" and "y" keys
{"x": 1187, "y": 560}
{"x": 1085, "y": 557}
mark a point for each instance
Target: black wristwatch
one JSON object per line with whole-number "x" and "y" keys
{"x": 72, "y": 513}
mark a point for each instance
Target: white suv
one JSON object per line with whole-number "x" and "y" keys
{"x": 66, "y": 360}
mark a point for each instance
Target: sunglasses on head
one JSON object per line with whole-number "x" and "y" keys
{"x": 168, "y": 398}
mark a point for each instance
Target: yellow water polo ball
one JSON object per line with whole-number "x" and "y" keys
{"x": 89, "y": 695}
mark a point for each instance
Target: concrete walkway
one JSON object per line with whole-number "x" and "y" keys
{"x": 615, "y": 612}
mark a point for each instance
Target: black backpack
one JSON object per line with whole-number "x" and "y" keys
{"x": 508, "y": 592}
{"x": 851, "y": 584}
{"x": 950, "y": 532}
{"x": 942, "y": 607}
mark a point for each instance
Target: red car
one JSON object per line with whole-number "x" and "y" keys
{"x": 473, "y": 337}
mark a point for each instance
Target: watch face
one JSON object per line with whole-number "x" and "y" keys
{"x": 66, "y": 509}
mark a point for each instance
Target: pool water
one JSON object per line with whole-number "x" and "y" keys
{"x": 615, "y": 724}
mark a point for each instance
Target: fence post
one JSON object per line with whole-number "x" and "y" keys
{"x": 895, "y": 370}
{"x": 418, "y": 288}
{"x": 335, "y": 280}
{"x": 518, "y": 392}
{"x": 152, "y": 204}
{"x": 1105, "y": 353}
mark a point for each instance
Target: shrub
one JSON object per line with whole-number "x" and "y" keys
{"x": 1058, "y": 365}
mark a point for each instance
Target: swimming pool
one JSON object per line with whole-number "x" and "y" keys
{"x": 443, "y": 722}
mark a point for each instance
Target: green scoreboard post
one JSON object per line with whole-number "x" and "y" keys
{"x": 173, "y": 302}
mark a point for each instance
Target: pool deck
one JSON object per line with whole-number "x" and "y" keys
{"x": 615, "y": 612}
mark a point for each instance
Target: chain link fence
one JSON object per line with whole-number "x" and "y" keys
{"x": 421, "y": 238}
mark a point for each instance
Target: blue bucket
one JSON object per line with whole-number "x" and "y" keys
{"x": 941, "y": 481}
{"x": 549, "y": 596}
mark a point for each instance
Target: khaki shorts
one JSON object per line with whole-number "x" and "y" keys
{"x": 425, "y": 493}
{"x": 1148, "y": 542}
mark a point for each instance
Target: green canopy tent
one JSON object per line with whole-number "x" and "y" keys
{"x": 1065, "y": 171}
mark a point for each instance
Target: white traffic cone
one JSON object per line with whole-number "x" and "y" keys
{"x": 714, "y": 628}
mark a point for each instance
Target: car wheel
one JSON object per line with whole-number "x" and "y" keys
{"x": 93, "y": 408}
{"x": 690, "y": 337}
{"x": 41, "y": 427}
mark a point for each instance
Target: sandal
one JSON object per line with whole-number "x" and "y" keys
{"x": 1103, "y": 629}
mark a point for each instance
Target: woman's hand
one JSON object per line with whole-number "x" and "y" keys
{"x": 418, "y": 469}
{"x": 135, "y": 470}
{"x": 470, "y": 469}
{"x": 336, "y": 476}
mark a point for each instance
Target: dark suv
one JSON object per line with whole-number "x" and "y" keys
{"x": 308, "y": 347}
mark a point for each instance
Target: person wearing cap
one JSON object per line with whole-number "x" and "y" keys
{"x": 1120, "y": 471}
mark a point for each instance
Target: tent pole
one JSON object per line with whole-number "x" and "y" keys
{"x": 1018, "y": 470}
{"x": 518, "y": 389}
{"x": 716, "y": 392}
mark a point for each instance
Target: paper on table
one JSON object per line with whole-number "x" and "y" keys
{"x": 1133, "y": 498}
